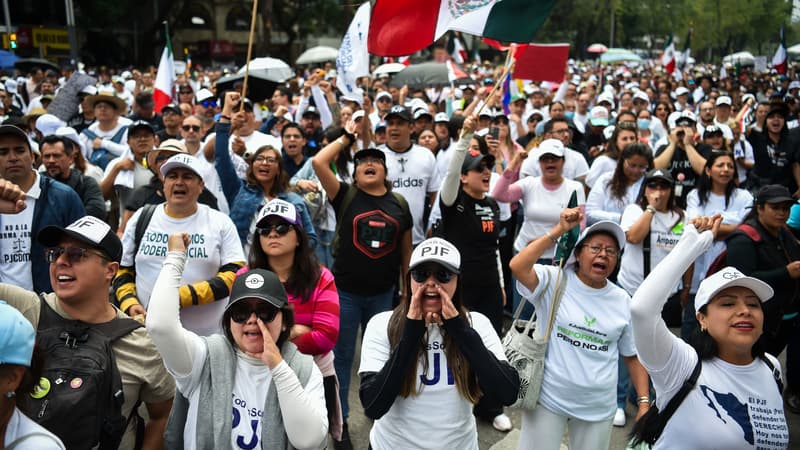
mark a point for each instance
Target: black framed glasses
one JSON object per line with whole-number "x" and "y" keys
{"x": 280, "y": 228}
{"x": 241, "y": 312}
{"x": 195, "y": 128}
{"x": 74, "y": 254}
{"x": 421, "y": 274}
{"x": 611, "y": 252}
{"x": 186, "y": 92}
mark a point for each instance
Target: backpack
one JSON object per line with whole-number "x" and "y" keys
{"x": 79, "y": 397}
{"x": 721, "y": 261}
{"x": 101, "y": 157}
{"x": 346, "y": 201}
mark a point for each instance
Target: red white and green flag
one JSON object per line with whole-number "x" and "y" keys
{"x": 403, "y": 27}
{"x": 165, "y": 78}
{"x": 779, "y": 59}
{"x": 668, "y": 58}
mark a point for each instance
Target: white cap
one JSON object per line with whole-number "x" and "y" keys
{"x": 724, "y": 100}
{"x": 47, "y": 124}
{"x": 441, "y": 117}
{"x": 641, "y": 95}
{"x": 11, "y": 86}
{"x": 729, "y": 277}
{"x": 681, "y": 91}
{"x": 358, "y": 115}
{"x": 69, "y": 133}
{"x": 606, "y": 97}
{"x": 598, "y": 116}
{"x": 182, "y": 160}
{"x": 794, "y": 85}
{"x": 89, "y": 90}
{"x": 550, "y": 146}
{"x": 608, "y": 132}
{"x": 278, "y": 208}
{"x": 439, "y": 251}
{"x": 609, "y": 227}
{"x": 203, "y": 94}
{"x": 382, "y": 94}
{"x": 351, "y": 98}
{"x": 672, "y": 117}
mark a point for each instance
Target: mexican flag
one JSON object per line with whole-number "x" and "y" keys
{"x": 403, "y": 27}
{"x": 165, "y": 78}
{"x": 668, "y": 58}
{"x": 779, "y": 59}
{"x": 456, "y": 49}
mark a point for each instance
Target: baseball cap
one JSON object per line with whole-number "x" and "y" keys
{"x": 17, "y": 336}
{"x": 441, "y": 118}
{"x": 658, "y": 174}
{"x": 47, "y": 124}
{"x": 606, "y": 97}
{"x": 419, "y": 112}
{"x": 278, "y": 208}
{"x": 383, "y": 94}
{"x": 773, "y": 193}
{"x": 536, "y": 112}
{"x": 381, "y": 125}
{"x": 11, "y": 85}
{"x": 358, "y": 115}
{"x": 89, "y": 230}
{"x": 473, "y": 160}
{"x": 687, "y": 118}
{"x": 439, "y": 251}
{"x": 519, "y": 97}
{"x": 399, "y": 111}
{"x": 550, "y": 146}
{"x": 203, "y": 94}
{"x": 139, "y": 124}
{"x": 724, "y": 100}
{"x": 258, "y": 284}
{"x": 69, "y": 133}
{"x": 725, "y": 278}
{"x": 711, "y": 130}
{"x": 181, "y": 160}
{"x": 681, "y": 91}
{"x": 171, "y": 107}
{"x": 311, "y": 111}
{"x": 607, "y": 226}
{"x": 778, "y": 108}
{"x": 369, "y": 153}
{"x": 88, "y": 90}
{"x": 598, "y": 116}
{"x": 13, "y": 130}
{"x": 641, "y": 95}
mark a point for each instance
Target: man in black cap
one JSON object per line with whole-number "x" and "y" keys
{"x": 312, "y": 127}
{"x": 775, "y": 152}
{"x": 172, "y": 118}
{"x": 144, "y": 109}
{"x": 45, "y": 202}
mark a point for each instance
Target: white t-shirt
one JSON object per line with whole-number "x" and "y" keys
{"x": 591, "y": 329}
{"x": 214, "y": 243}
{"x": 602, "y": 164}
{"x": 250, "y": 387}
{"x": 601, "y": 205}
{"x": 438, "y": 417}
{"x": 739, "y": 205}
{"x": 413, "y": 175}
{"x": 542, "y": 208}
{"x": 15, "y": 241}
{"x": 575, "y": 166}
{"x": 743, "y": 150}
{"x": 665, "y": 231}
{"x": 730, "y": 407}
{"x": 20, "y": 426}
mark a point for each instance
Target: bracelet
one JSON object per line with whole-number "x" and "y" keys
{"x": 341, "y": 142}
{"x": 225, "y": 117}
{"x": 550, "y": 236}
{"x": 651, "y": 209}
{"x": 644, "y": 399}
{"x": 350, "y": 137}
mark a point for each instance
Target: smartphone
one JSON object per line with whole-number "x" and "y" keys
{"x": 495, "y": 132}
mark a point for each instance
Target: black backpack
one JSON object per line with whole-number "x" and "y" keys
{"x": 80, "y": 397}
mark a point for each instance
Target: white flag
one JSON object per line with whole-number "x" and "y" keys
{"x": 353, "y": 59}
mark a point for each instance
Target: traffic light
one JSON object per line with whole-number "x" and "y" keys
{"x": 12, "y": 40}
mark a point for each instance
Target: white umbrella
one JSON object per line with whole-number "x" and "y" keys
{"x": 743, "y": 58}
{"x": 318, "y": 54}
{"x": 597, "y": 48}
{"x": 388, "y": 68}
{"x": 272, "y": 67}
{"x": 794, "y": 50}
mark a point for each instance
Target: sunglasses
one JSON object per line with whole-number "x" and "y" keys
{"x": 280, "y": 228}
{"x": 74, "y": 254}
{"x": 242, "y": 311}
{"x": 421, "y": 274}
{"x": 195, "y": 128}
{"x": 186, "y": 92}
{"x": 209, "y": 103}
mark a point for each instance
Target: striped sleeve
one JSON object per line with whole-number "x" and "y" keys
{"x": 321, "y": 313}
{"x": 207, "y": 291}
{"x": 124, "y": 286}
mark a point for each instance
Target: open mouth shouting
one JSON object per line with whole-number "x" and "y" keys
{"x": 744, "y": 326}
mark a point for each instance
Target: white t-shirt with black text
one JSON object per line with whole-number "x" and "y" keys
{"x": 15, "y": 241}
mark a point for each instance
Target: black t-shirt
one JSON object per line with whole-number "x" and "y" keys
{"x": 773, "y": 160}
{"x": 473, "y": 226}
{"x": 163, "y": 135}
{"x": 370, "y": 234}
{"x": 681, "y": 170}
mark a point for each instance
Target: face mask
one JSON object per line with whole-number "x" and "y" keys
{"x": 569, "y": 114}
{"x": 643, "y": 124}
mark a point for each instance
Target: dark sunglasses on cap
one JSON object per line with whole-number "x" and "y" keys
{"x": 421, "y": 274}
{"x": 241, "y": 311}
{"x": 74, "y": 254}
{"x": 195, "y": 128}
{"x": 280, "y": 228}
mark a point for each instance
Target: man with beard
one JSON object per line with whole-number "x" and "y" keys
{"x": 294, "y": 140}
{"x": 58, "y": 155}
{"x": 172, "y": 117}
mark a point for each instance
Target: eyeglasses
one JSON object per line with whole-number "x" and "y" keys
{"x": 638, "y": 167}
{"x": 242, "y": 311}
{"x": 209, "y": 103}
{"x": 420, "y": 274}
{"x": 564, "y": 131}
{"x": 74, "y": 254}
{"x": 657, "y": 185}
{"x": 195, "y": 128}
{"x": 265, "y": 160}
{"x": 280, "y": 228}
{"x": 611, "y": 252}
{"x": 385, "y": 100}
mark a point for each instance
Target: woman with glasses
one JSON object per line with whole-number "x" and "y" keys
{"x": 613, "y": 191}
{"x": 265, "y": 180}
{"x": 425, "y": 364}
{"x": 253, "y": 369}
{"x": 716, "y": 193}
{"x": 590, "y": 331}
{"x": 606, "y": 162}
{"x": 372, "y": 244}
{"x": 280, "y": 245}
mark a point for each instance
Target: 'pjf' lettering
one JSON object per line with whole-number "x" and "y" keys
{"x": 276, "y": 208}
{"x": 435, "y": 250}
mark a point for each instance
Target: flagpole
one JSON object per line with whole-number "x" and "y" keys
{"x": 249, "y": 53}
{"x": 509, "y": 64}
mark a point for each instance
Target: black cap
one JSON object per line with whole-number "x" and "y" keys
{"x": 773, "y": 193}
{"x": 711, "y": 130}
{"x": 473, "y": 160}
{"x": 659, "y": 174}
{"x": 13, "y": 130}
{"x": 311, "y": 111}
{"x": 370, "y": 152}
{"x": 399, "y": 111}
{"x": 89, "y": 230}
{"x": 778, "y": 108}
{"x": 171, "y": 107}
{"x": 259, "y": 284}
{"x": 140, "y": 124}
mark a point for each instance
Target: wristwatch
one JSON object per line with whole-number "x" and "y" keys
{"x": 651, "y": 209}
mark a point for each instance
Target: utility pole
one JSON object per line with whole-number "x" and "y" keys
{"x": 73, "y": 40}
{"x": 8, "y": 19}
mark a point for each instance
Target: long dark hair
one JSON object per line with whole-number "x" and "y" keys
{"x": 618, "y": 183}
{"x": 465, "y": 378}
{"x": 281, "y": 182}
{"x": 287, "y": 322}
{"x": 707, "y": 348}
{"x": 704, "y": 183}
{"x": 305, "y": 271}
{"x": 671, "y": 206}
{"x": 330, "y": 134}
{"x": 612, "y": 151}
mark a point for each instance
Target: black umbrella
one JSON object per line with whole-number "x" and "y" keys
{"x": 427, "y": 74}
{"x": 260, "y": 85}
{"x": 26, "y": 64}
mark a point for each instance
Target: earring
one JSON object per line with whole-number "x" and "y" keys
{"x": 703, "y": 328}
{"x": 10, "y": 394}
